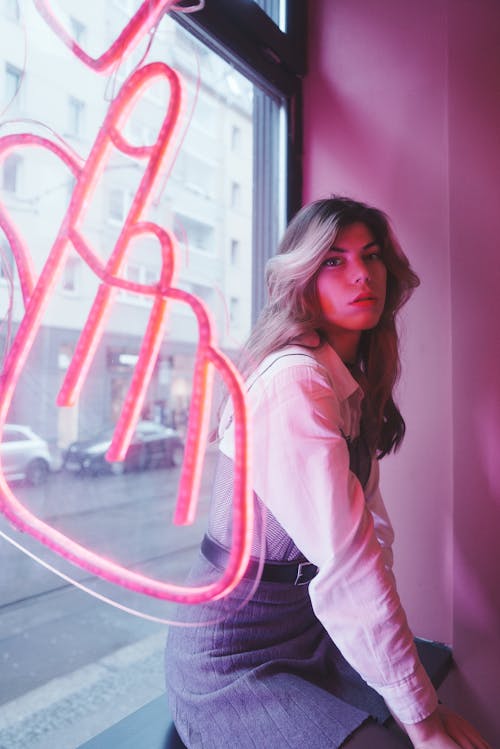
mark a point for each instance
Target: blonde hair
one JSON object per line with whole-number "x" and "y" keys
{"x": 292, "y": 310}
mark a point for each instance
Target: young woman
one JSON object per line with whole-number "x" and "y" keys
{"x": 302, "y": 659}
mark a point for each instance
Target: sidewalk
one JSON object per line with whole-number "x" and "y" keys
{"x": 69, "y": 710}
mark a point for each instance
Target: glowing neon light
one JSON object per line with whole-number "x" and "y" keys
{"x": 145, "y": 19}
{"x": 36, "y": 293}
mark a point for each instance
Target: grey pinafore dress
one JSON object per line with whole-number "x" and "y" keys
{"x": 263, "y": 672}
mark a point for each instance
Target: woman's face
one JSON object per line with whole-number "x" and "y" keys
{"x": 351, "y": 282}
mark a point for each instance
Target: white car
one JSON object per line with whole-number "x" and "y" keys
{"x": 24, "y": 455}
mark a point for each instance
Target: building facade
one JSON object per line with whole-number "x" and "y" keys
{"x": 204, "y": 199}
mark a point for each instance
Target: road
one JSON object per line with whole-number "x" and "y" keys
{"x": 49, "y": 628}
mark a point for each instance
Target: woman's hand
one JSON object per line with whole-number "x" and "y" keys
{"x": 444, "y": 729}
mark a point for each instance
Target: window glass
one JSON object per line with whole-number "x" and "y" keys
{"x": 71, "y": 663}
{"x": 11, "y": 435}
{"x": 276, "y": 10}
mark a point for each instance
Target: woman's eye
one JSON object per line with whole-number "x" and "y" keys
{"x": 374, "y": 256}
{"x": 332, "y": 262}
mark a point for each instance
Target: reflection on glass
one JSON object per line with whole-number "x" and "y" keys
{"x": 56, "y": 457}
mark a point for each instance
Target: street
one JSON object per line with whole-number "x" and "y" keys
{"x": 48, "y": 627}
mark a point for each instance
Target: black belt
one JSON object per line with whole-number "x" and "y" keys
{"x": 294, "y": 573}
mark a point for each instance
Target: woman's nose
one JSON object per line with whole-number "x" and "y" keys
{"x": 360, "y": 273}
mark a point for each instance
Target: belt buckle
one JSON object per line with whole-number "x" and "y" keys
{"x": 301, "y": 573}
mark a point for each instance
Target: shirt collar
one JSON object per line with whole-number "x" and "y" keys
{"x": 344, "y": 383}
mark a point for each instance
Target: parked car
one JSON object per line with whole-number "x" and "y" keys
{"x": 24, "y": 455}
{"x": 152, "y": 445}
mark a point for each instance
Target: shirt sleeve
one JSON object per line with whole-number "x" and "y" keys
{"x": 301, "y": 472}
{"x": 381, "y": 522}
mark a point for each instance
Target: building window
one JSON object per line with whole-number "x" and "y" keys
{"x": 6, "y": 260}
{"x": 151, "y": 276}
{"x": 235, "y": 252}
{"x": 195, "y": 234}
{"x": 235, "y": 195}
{"x": 235, "y": 139}
{"x": 116, "y": 205}
{"x": 133, "y": 273}
{"x": 137, "y": 273}
{"x": 76, "y": 111}
{"x": 70, "y": 275}
{"x": 13, "y": 80}
{"x": 64, "y": 356}
{"x": 234, "y": 311}
{"x": 78, "y": 30}
{"x": 205, "y": 293}
{"x": 199, "y": 176}
{"x": 12, "y": 10}
{"x": 205, "y": 116}
{"x": 68, "y": 188}
{"x": 11, "y": 173}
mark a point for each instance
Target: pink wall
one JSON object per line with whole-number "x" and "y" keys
{"x": 402, "y": 109}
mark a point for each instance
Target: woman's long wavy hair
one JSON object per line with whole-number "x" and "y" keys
{"x": 292, "y": 309}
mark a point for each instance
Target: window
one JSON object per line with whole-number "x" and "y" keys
{"x": 199, "y": 176}
{"x": 76, "y": 109}
{"x": 11, "y": 173}
{"x": 235, "y": 195}
{"x": 196, "y": 234}
{"x": 235, "y": 138}
{"x": 78, "y": 30}
{"x": 205, "y": 293}
{"x": 134, "y": 273}
{"x": 234, "y": 311}
{"x": 68, "y": 187}
{"x": 70, "y": 275}
{"x": 224, "y": 197}
{"x": 151, "y": 276}
{"x": 12, "y": 435}
{"x": 116, "y": 205}
{"x": 13, "y": 80}
{"x": 64, "y": 356}
{"x": 6, "y": 262}
{"x": 12, "y": 10}
{"x": 235, "y": 252}
{"x": 206, "y": 118}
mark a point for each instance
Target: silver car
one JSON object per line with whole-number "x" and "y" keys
{"x": 24, "y": 455}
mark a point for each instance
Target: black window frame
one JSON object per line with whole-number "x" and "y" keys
{"x": 242, "y": 33}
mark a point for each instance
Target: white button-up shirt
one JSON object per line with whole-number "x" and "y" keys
{"x": 304, "y": 403}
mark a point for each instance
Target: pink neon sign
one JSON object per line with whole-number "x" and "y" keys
{"x": 36, "y": 294}
{"x": 145, "y": 19}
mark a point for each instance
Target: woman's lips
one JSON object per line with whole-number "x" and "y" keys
{"x": 364, "y": 299}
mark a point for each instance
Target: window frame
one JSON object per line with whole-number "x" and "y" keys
{"x": 242, "y": 33}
